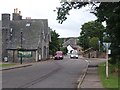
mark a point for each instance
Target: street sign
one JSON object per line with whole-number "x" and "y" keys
{"x": 106, "y": 45}
{"x": 109, "y": 51}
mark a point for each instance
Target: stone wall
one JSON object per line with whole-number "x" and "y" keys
{"x": 34, "y": 36}
{"x": 94, "y": 54}
{"x": 0, "y": 41}
{"x": 28, "y": 34}
{"x": 13, "y": 57}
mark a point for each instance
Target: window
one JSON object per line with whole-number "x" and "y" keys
{"x": 11, "y": 32}
{"x": 28, "y": 24}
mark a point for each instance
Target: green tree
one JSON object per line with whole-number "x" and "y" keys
{"x": 63, "y": 11}
{"x": 64, "y": 49}
{"x": 90, "y": 30}
{"x": 54, "y": 44}
{"x": 94, "y": 43}
{"x": 105, "y": 11}
{"x": 61, "y": 41}
{"x": 110, "y": 13}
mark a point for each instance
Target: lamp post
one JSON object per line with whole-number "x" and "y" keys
{"x": 21, "y": 35}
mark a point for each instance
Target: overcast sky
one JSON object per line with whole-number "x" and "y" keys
{"x": 43, "y": 9}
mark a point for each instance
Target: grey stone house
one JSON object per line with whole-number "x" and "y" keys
{"x": 72, "y": 42}
{"x": 24, "y": 38}
{"x": 0, "y": 41}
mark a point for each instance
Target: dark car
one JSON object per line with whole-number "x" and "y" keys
{"x": 58, "y": 55}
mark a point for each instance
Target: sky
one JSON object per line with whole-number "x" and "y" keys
{"x": 44, "y": 9}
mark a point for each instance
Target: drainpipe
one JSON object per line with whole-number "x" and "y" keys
{"x": 36, "y": 55}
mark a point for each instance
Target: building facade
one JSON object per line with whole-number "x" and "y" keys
{"x": 71, "y": 44}
{"x": 0, "y": 41}
{"x": 24, "y": 38}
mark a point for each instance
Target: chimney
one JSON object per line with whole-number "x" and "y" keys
{"x": 20, "y": 13}
{"x": 5, "y": 20}
{"x": 17, "y": 15}
{"x": 16, "y": 10}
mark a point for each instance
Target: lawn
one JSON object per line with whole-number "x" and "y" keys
{"x": 112, "y": 81}
{"x": 6, "y": 65}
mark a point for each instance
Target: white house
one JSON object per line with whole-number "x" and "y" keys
{"x": 70, "y": 49}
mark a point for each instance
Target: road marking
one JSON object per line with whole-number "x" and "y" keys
{"x": 81, "y": 79}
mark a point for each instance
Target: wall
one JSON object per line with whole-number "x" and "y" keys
{"x": 13, "y": 57}
{"x": 0, "y": 41}
{"x": 35, "y": 35}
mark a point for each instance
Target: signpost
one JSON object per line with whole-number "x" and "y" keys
{"x": 107, "y": 45}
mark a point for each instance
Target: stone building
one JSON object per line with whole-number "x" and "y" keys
{"x": 24, "y": 38}
{"x": 71, "y": 44}
{"x": 0, "y": 41}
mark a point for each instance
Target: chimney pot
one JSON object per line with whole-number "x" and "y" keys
{"x": 14, "y": 10}
{"x": 19, "y": 12}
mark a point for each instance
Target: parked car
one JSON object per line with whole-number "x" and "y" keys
{"x": 74, "y": 55}
{"x": 58, "y": 55}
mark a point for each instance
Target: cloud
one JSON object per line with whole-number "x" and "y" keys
{"x": 43, "y": 9}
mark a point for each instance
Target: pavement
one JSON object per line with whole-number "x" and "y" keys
{"x": 89, "y": 79}
{"x": 17, "y": 65}
{"x": 92, "y": 79}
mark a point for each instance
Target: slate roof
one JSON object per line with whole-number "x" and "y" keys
{"x": 33, "y": 31}
{"x": 71, "y": 41}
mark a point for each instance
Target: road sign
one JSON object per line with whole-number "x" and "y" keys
{"x": 106, "y": 45}
{"x": 109, "y": 51}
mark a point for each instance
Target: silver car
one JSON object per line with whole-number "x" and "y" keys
{"x": 74, "y": 55}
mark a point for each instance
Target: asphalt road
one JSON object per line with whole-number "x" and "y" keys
{"x": 48, "y": 74}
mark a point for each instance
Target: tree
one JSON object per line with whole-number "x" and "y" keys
{"x": 64, "y": 49}
{"x": 90, "y": 30}
{"x": 110, "y": 12}
{"x": 63, "y": 11}
{"x": 94, "y": 43}
{"x": 105, "y": 11}
{"x": 54, "y": 44}
{"x": 83, "y": 41}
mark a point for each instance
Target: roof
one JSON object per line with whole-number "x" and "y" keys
{"x": 71, "y": 41}
{"x": 32, "y": 33}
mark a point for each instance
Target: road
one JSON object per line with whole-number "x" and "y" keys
{"x": 47, "y": 74}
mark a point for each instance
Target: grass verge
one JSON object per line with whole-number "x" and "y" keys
{"x": 6, "y": 65}
{"x": 112, "y": 81}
